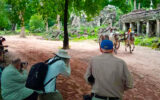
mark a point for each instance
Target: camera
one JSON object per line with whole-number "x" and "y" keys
{"x": 24, "y": 64}
{"x": 6, "y": 50}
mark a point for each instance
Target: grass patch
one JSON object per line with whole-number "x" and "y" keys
{"x": 8, "y": 33}
{"x": 82, "y": 38}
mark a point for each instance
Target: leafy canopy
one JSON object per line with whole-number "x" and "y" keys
{"x": 36, "y": 22}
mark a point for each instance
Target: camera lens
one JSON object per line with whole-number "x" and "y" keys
{"x": 24, "y": 63}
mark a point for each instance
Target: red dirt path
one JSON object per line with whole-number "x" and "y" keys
{"x": 144, "y": 64}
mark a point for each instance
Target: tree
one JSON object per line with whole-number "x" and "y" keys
{"x": 12, "y": 15}
{"x": 66, "y": 40}
{"x": 22, "y": 13}
{"x": 90, "y": 7}
{"x": 58, "y": 22}
{"x": 36, "y": 22}
{"x": 4, "y": 22}
{"x": 19, "y": 11}
{"x": 143, "y": 3}
{"x": 76, "y": 6}
{"x": 46, "y": 8}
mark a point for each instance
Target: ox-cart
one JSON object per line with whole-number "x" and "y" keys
{"x": 111, "y": 34}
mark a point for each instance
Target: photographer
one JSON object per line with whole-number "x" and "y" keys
{"x": 61, "y": 66}
{"x": 13, "y": 82}
{"x": 2, "y": 50}
{"x": 1, "y": 43}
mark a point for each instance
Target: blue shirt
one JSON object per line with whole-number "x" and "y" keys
{"x": 59, "y": 67}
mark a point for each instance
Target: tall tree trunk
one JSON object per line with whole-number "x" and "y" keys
{"x": 135, "y": 5}
{"x": 58, "y": 22}
{"x": 46, "y": 24}
{"x": 13, "y": 26}
{"x": 22, "y": 33}
{"x": 66, "y": 40}
{"x": 139, "y": 5}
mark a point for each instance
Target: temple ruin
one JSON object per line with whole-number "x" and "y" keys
{"x": 106, "y": 16}
{"x": 141, "y": 21}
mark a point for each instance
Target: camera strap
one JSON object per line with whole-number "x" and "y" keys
{"x": 53, "y": 61}
{"x": 50, "y": 80}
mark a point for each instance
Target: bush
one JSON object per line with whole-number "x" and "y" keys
{"x": 8, "y": 32}
{"x": 4, "y": 21}
{"x": 36, "y": 23}
{"x": 153, "y": 42}
{"x": 38, "y": 30}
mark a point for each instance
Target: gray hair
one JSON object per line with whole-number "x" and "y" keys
{"x": 15, "y": 61}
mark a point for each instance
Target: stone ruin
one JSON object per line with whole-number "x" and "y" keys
{"x": 106, "y": 16}
{"x": 142, "y": 21}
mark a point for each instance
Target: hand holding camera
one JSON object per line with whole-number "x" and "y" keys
{"x": 24, "y": 65}
{"x": 67, "y": 61}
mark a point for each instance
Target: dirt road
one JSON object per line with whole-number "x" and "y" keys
{"x": 144, "y": 64}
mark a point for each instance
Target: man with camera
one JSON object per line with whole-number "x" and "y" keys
{"x": 108, "y": 75}
{"x": 61, "y": 66}
{"x": 13, "y": 82}
{"x": 2, "y": 50}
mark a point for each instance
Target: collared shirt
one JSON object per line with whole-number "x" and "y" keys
{"x": 59, "y": 67}
{"x": 13, "y": 84}
{"x": 111, "y": 75}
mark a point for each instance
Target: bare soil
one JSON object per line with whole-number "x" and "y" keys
{"x": 144, "y": 63}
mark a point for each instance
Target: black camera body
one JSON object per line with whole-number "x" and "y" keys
{"x": 23, "y": 64}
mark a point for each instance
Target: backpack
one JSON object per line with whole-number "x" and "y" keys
{"x": 37, "y": 75}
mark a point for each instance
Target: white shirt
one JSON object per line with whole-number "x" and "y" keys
{"x": 59, "y": 67}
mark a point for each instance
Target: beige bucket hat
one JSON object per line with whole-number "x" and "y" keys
{"x": 63, "y": 53}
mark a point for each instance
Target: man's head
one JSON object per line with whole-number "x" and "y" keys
{"x": 3, "y": 39}
{"x": 63, "y": 54}
{"x": 17, "y": 63}
{"x": 106, "y": 46}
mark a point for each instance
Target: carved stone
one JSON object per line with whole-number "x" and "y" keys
{"x": 148, "y": 18}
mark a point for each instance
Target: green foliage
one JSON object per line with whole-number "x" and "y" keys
{"x": 47, "y": 8}
{"x": 90, "y": 35}
{"x": 8, "y": 33}
{"x": 153, "y": 42}
{"x": 75, "y": 37}
{"x": 51, "y": 22}
{"x": 4, "y": 21}
{"x": 144, "y": 3}
{"x": 84, "y": 38}
{"x": 122, "y": 5}
{"x": 12, "y": 12}
{"x": 92, "y": 7}
{"x": 18, "y": 9}
{"x": 119, "y": 13}
{"x": 36, "y": 23}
